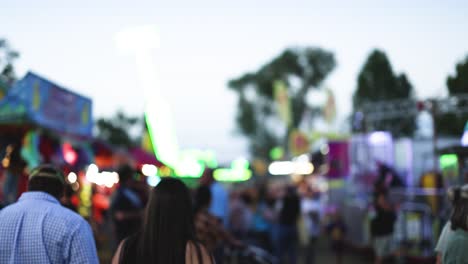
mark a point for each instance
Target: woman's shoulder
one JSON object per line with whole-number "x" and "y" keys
{"x": 457, "y": 241}
{"x": 456, "y": 247}
{"x": 196, "y": 253}
{"x": 460, "y": 235}
{"x": 126, "y": 250}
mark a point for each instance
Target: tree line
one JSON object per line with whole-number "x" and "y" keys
{"x": 302, "y": 69}
{"x": 272, "y": 100}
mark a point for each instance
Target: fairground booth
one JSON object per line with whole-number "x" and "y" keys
{"x": 42, "y": 122}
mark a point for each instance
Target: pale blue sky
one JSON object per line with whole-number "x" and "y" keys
{"x": 205, "y": 43}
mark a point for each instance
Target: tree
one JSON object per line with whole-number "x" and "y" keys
{"x": 452, "y": 124}
{"x": 377, "y": 82}
{"x": 300, "y": 69}
{"x": 7, "y": 72}
{"x": 117, "y": 130}
{"x": 458, "y": 84}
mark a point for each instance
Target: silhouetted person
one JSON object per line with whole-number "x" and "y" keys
{"x": 126, "y": 206}
{"x": 336, "y": 230}
{"x": 288, "y": 217}
{"x": 311, "y": 209}
{"x": 37, "y": 229}
{"x": 220, "y": 203}
{"x": 389, "y": 177}
{"x": 382, "y": 225}
{"x": 208, "y": 228}
{"x": 167, "y": 235}
{"x": 240, "y": 215}
{"x": 13, "y": 175}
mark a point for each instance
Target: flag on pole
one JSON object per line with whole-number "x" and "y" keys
{"x": 282, "y": 100}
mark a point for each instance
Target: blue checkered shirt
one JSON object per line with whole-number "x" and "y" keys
{"x": 37, "y": 229}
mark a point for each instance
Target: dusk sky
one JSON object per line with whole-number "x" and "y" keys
{"x": 204, "y": 43}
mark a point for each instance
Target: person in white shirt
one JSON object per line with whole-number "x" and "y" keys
{"x": 442, "y": 243}
{"x": 453, "y": 195}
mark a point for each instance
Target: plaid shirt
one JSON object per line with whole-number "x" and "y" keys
{"x": 37, "y": 229}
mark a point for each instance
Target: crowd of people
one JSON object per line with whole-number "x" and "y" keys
{"x": 174, "y": 224}
{"x": 266, "y": 217}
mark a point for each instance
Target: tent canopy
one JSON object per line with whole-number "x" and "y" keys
{"x": 35, "y": 100}
{"x": 142, "y": 157}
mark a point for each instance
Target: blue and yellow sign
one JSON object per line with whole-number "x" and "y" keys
{"x": 52, "y": 106}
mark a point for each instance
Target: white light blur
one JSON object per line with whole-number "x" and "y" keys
{"x": 153, "y": 180}
{"x": 105, "y": 178}
{"x": 316, "y": 97}
{"x": 143, "y": 42}
{"x": 188, "y": 165}
{"x": 380, "y": 138}
{"x": 289, "y": 167}
{"x": 281, "y": 168}
{"x": 325, "y": 149}
{"x": 303, "y": 158}
{"x": 91, "y": 173}
{"x": 303, "y": 168}
{"x": 72, "y": 177}
{"x": 149, "y": 170}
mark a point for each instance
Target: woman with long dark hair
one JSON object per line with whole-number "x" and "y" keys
{"x": 167, "y": 235}
{"x": 457, "y": 240}
{"x": 454, "y": 195}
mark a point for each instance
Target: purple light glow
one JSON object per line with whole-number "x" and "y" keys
{"x": 464, "y": 139}
{"x": 379, "y": 138}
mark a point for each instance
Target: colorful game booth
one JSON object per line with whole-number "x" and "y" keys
{"x": 42, "y": 122}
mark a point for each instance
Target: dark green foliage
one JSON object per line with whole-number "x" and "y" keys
{"x": 458, "y": 84}
{"x": 7, "y": 71}
{"x": 307, "y": 66}
{"x": 117, "y": 130}
{"x": 452, "y": 124}
{"x": 378, "y": 82}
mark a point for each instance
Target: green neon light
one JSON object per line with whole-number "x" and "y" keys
{"x": 141, "y": 41}
{"x": 209, "y": 157}
{"x": 189, "y": 163}
{"x": 448, "y": 160}
{"x": 239, "y": 171}
{"x": 276, "y": 153}
{"x": 162, "y": 137}
{"x": 189, "y": 166}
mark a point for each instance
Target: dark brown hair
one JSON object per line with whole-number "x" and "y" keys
{"x": 459, "y": 198}
{"x": 168, "y": 226}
